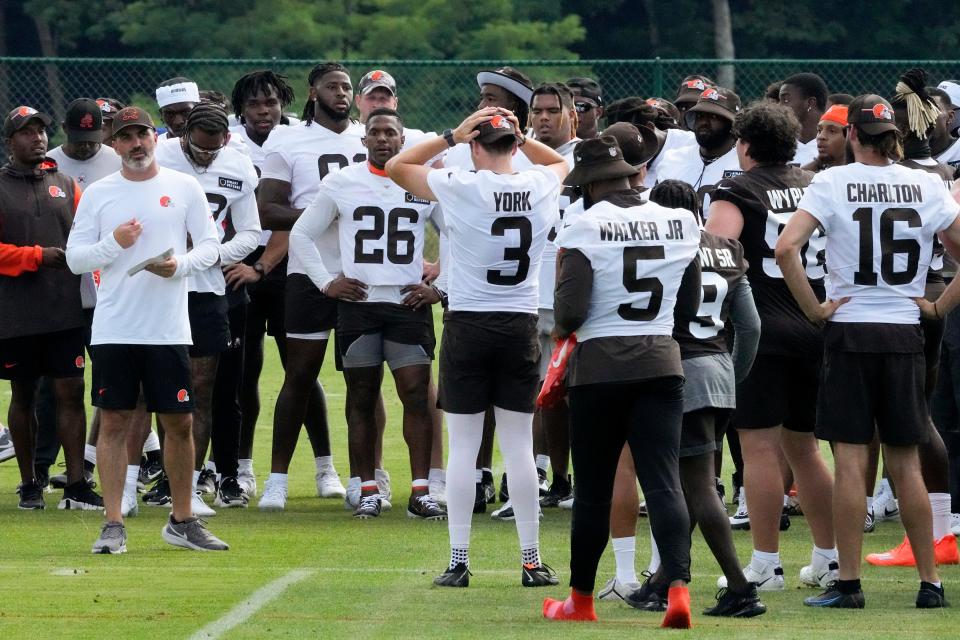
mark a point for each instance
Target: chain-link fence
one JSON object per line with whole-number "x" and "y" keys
{"x": 434, "y": 94}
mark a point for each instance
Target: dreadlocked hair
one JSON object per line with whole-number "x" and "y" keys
{"x": 564, "y": 97}
{"x": 210, "y": 95}
{"x": 264, "y": 82}
{"x": 675, "y": 194}
{"x": 209, "y": 117}
{"x": 316, "y": 73}
{"x": 922, "y": 111}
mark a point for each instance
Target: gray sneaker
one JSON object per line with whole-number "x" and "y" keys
{"x": 113, "y": 539}
{"x": 191, "y": 534}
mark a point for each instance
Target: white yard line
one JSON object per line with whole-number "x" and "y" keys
{"x": 256, "y": 601}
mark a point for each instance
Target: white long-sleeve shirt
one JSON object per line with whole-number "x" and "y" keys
{"x": 143, "y": 308}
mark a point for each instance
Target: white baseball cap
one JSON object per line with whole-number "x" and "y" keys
{"x": 952, "y": 89}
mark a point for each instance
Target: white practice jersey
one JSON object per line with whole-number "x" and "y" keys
{"x": 638, "y": 255}
{"x": 676, "y": 138}
{"x": 303, "y": 156}
{"x": 951, "y": 155}
{"x": 879, "y": 223}
{"x": 257, "y": 156}
{"x": 806, "y": 152}
{"x": 381, "y": 232}
{"x": 229, "y": 183}
{"x": 459, "y": 157}
{"x": 548, "y": 261}
{"x": 687, "y": 165}
{"x": 497, "y": 226}
{"x": 143, "y": 308}
{"x": 86, "y": 172}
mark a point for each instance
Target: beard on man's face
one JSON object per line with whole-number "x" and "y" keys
{"x": 333, "y": 114}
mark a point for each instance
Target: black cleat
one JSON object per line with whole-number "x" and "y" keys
{"x": 424, "y": 507}
{"x": 31, "y": 496}
{"x": 159, "y": 495}
{"x": 489, "y": 490}
{"x": 784, "y": 520}
{"x": 479, "y": 502}
{"x": 80, "y": 495}
{"x": 836, "y": 599}
{"x": 737, "y": 605}
{"x": 646, "y": 598}
{"x": 542, "y": 481}
{"x": 504, "y": 489}
{"x": 538, "y": 576}
{"x": 931, "y": 597}
{"x": 230, "y": 495}
{"x": 459, "y": 576}
{"x": 560, "y": 490}
{"x": 150, "y": 470}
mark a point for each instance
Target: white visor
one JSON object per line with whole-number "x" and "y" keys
{"x": 180, "y": 92}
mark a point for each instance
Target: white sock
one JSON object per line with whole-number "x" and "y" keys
{"x": 278, "y": 479}
{"x": 196, "y": 477}
{"x": 130, "y": 484}
{"x": 869, "y": 503}
{"x": 625, "y": 552}
{"x": 90, "y": 454}
{"x": 478, "y": 473}
{"x": 353, "y": 484}
{"x": 764, "y": 557}
{"x": 822, "y": 557}
{"x": 437, "y": 475}
{"x": 324, "y": 462}
{"x": 245, "y": 466}
{"x": 152, "y": 442}
{"x": 654, "y": 555}
{"x": 515, "y": 432}
{"x": 466, "y": 434}
{"x": 543, "y": 462}
{"x": 884, "y": 486}
{"x": 940, "y": 505}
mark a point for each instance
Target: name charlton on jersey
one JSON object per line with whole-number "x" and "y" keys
{"x": 893, "y": 193}
{"x": 639, "y": 230}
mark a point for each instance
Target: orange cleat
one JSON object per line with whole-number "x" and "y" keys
{"x": 678, "y": 609}
{"x": 577, "y": 607}
{"x": 944, "y": 552}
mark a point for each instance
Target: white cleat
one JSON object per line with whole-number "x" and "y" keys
{"x": 955, "y": 524}
{"x": 274, "y": 497}
{"x": 616, "y": 590}
{"x": 129, "y": 506}
{"x": 199, "y": 507}
{"x": 820, "y": 576}
{"x": 328, "y": 483}
{"x": 768, "y": 578}
{"x": 248, "y": 482}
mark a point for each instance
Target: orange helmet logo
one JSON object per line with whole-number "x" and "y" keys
{"x": 499, "y": 122}
{"x": 165, "y": 201}
{"x": 376, "y": 75}
{"x": 23, "y": 112}
{"x": 710, "y": 94}
{"x": 697, "y": 84}
{"x": 882, "y": 112}
{"x": 56, "y": 192}
{"x": 183, "y": 396}
{"x": 79, "y": 362}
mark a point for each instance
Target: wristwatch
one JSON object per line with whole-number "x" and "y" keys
{"x": 258, "y": 267}
{"x": 448, "y": 136}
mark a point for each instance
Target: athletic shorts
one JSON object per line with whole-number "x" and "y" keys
{"x": 308, "y": 314}
{"x": 489, "y": 358}
{"x": 58, "y": 354}
{"x": 779, "y": 390}
{"x": 371, "y": 333}
{"x": 703, "y": 431}
{"x": 945, "y": 404}
{"x": 873, "y": 382}
{"x": 209, "y": 324}
{"x": 265, "y": 312}
{"x": 545, "y": 323}
{"x": 119, "y": 371}
{"x": 709, "y": 382}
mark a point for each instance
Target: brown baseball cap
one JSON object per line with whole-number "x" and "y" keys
{"x": 19, "y": 117}
{"x": 131, "y": 117}
{"x": 716, "y": 100}
{"x": 871, "y": 114}
{"x": 598, "y": 159}
{"x": 637, "y": 144}
{"x": 495, "y": 128}
{"x": 690, "y": 89}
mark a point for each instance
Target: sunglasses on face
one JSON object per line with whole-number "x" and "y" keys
{"x": 583, "y": 107}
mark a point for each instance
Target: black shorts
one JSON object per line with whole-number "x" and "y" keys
{"x": 119, "y": 371}
{"x": 779, "y": 390}
{"x": 489, "y": 359}
{"x": 945, "y": 404}
{"x": 58, "y": 354}
{"x": 265, "y": 312}
{"x": 308, "y": 314}
{"x": 209, "y": 324}
{"x": 370, "y": 333}
{"x": 703, "y": 431}
{"x": 872, "y": 391}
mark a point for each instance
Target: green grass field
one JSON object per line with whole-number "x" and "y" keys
{"x": 372, "y": 579}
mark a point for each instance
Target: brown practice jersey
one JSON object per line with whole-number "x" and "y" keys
{"x": 767, "y": 197}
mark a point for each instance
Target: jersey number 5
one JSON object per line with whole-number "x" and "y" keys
{"x": 633, "y": 284}
{"x": 889, "y": 246}
{"x": 521, "y": 254}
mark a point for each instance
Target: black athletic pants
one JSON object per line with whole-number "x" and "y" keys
{"x": 648, "y": 415}
{"x": 225, "y": 429}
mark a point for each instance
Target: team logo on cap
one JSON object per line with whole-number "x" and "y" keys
{"x": 105, "y": 106}
{"x": 56, "y": 192}
{"x": 165, "y": 201}
{"x": 612, "y": 151}
{"x": 23, "y": 112}
{"x": 881, "y": 112}
{"x": 499, "y": 122}
{"x": 710, "y": 94}
{"x": 376, "y": 75}
{"x": 86, "y": 122}
{"x": 131, "y": 114}
{"x": 697, "y": 84}
{"x": 79, "y": 362}
{"x": 183, "y": 396}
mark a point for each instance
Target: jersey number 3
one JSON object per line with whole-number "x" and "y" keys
{"x": 520, "y": 254}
